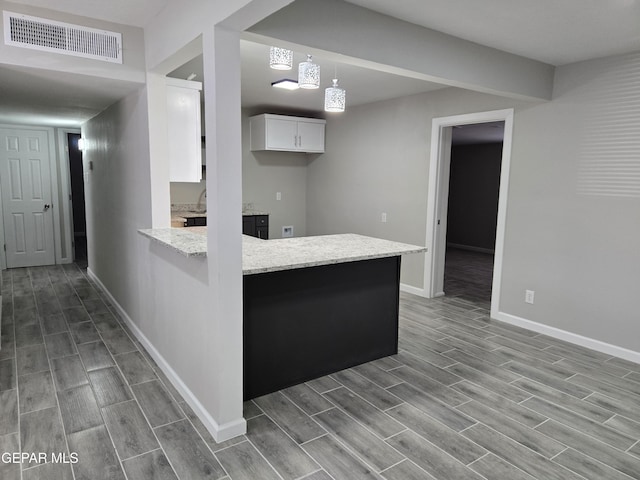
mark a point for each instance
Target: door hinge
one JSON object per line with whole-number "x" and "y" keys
{"x": 5, "y": 247}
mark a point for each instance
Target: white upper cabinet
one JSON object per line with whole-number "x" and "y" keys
{"x": 184, "y": 130}
{"x": 287, "y": 134}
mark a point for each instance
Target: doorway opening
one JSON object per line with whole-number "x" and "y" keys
{"x": 438, "y": 206}
{"x": 76, "y": 172}
{"x": 472, "y": 210}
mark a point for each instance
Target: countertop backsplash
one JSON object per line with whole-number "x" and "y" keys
{"x": 188, "y": 207}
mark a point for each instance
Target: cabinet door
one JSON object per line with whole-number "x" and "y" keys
{"x": 183, "y": 130}
{"x": 249, "y": 225}
{"x": 281, "y": 134}
{"x": 262, "y": 232}
{"x": 311, "y": 137}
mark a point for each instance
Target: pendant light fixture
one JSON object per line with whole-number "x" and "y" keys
{"x": 334, "y": 98}
{"x": 280, "y": 58}
{"x": 308, "y": 74}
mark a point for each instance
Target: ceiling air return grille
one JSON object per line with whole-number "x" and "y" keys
{"x": 51, "y": 36}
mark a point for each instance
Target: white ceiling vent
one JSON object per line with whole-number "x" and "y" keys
{"x": 51, "y": 36}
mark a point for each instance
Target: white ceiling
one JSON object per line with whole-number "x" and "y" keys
{"x": 127, "y": 12}
{"x": 44, "y": 97}
{"x": 489, "y": 132}
{"x": 552, "y": 31}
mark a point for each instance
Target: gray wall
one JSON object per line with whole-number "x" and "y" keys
{"x": 266, "y": 173}
{"x": 473, "y": 195}
{"x": 188, "y": 193}
{"x": 117, "y": 196}
{"x": 573, "y": 224}
{"x": 377, "y": 161}
{"x": 570, "y": 235}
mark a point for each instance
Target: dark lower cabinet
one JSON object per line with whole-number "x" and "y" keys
{"x": 308, "y": 322}
{"x": 256, "y": 226}
{"x": 248, "y": 225}
{"x": 196, "y": 222}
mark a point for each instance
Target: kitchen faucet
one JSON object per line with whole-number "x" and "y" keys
{"x": 199, "y": 205}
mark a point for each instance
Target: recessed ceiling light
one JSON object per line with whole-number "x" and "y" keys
{"x": 286, "y": 83}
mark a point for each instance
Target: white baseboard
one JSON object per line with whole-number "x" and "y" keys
{"x": 219, "y": 432}
{"x": 421, "y": 292}
{"x": 570, "y": 337}
{"x": 414, "y": 290}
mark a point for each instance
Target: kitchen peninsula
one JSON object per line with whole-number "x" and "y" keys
{"x": 312, "y": 305}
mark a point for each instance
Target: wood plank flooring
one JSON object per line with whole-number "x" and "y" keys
{"x": 465, "y": 398}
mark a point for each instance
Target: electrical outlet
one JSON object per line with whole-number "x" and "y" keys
{"x": 383, "y": 218}
{"x": 528, "y": 296}
{"x": 278, "y": 196}
{"x": 287, "y": 231}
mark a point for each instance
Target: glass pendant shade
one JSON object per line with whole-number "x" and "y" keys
{"x": 308, "y": 74}
{"x": 335, "y": 98}
{"x": 280, "y": 58}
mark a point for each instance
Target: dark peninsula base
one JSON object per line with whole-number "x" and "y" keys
{"x": 308, "y": 322}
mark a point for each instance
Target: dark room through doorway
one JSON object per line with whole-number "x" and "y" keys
{"x": 472, "y": 212}
{"x": 76, "y": 172}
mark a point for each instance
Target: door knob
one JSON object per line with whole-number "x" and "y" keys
{"x": 46, "y": 206}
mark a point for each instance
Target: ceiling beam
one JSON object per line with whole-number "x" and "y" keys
{"x": 388, "y": 44}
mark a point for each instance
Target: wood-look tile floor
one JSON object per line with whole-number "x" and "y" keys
{"x": 466, "y": 398}
{"x": 468, "y": 274}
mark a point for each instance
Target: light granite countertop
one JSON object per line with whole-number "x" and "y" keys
{"x": 188, "y": 214}
{"x": 185, "y": 241}
{"x": 250, "y": 213}
{"x": 263, "y": 256}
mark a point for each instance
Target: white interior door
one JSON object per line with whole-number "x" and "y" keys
{"x": 25, "y": 180}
